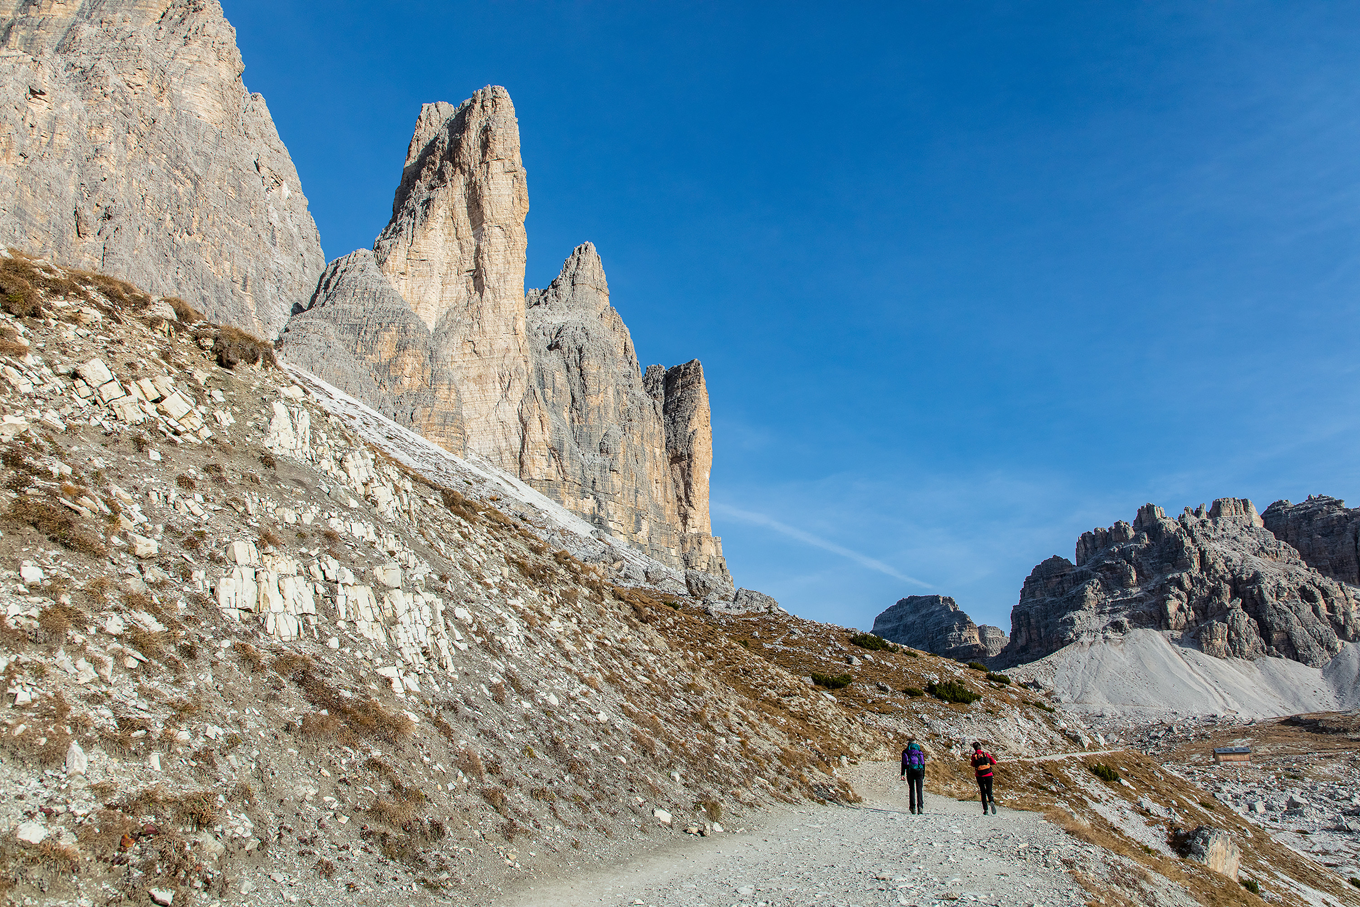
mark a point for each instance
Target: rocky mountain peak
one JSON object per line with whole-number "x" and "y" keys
{"x": 456, "y": 241}
{"x": 935, "y": 623}
{"x": 1324, "y": 531}
{"x": 1216, "y": 577}
{"x": 580, "y": 285}
{"x": 436, "y": 330}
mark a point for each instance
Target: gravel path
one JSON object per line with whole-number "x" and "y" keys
{"x": 875, "y": 853}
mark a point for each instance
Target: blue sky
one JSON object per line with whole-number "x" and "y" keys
{"x": 966, "y": 279}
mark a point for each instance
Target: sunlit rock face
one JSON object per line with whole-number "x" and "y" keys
{"x": 130, "y": 145}
{"x": 435, "y": 329}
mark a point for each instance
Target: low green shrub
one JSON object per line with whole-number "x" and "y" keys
{"x": 831, "y": 681}
{"x": 998, "y": 678}
{"x": 978, "y": 666}
{"x": 870, "y": 641}
{"x": 913, "y": 692}
{"x": 1105, "y": 773}
{"x": 1255, "y": 887}
{"x": 952, "y": 691}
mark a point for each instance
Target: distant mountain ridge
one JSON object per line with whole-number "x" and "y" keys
{"x": 1221, "y": 579}
{"x": 934, "y": 623}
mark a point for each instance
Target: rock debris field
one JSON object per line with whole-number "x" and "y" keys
{"x": 873, "y": 853}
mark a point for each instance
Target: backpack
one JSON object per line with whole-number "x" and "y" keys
{"x": 916, "y": 757}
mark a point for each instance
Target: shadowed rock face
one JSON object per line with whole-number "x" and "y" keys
{"x": 359, "y": 335}
{"x": 129, "y": 145}
{"x": 1324, "y": 531}
{"x": 434, "y": 328}
{"x": 934, "y": 623}
{"x": 1219, "y": 577}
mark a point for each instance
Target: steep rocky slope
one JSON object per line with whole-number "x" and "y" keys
{"x": 129, "y": 145}
{"x": 936, "y": 624}
{"x": 1216, "y": 576}
{"x": 435, "y": 330}
{"x": 245, "y": 649}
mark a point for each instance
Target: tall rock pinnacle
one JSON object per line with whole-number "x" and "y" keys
{"x": 435, "y": 329}
{"x": 607, "y": 458}
{"x": 130, "y": 145}
{"x": 455, "y": 250}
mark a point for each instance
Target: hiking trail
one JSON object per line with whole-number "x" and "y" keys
{"x": 872, "y": 853}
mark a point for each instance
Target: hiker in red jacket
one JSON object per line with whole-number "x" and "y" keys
{"x": 982, "y": 767}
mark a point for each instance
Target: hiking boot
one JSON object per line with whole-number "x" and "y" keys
{"x": 993, "y": 809}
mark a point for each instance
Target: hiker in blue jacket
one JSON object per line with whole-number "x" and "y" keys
{"x": 914, "y": 773}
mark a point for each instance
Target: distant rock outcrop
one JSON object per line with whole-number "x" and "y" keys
{"x": 435, "y": 329}
{"x": 1324, "y": 531}
{"x": 1217, "y": 576}
{"x": 934, "y": 623}
{"x": 129, "y": 145}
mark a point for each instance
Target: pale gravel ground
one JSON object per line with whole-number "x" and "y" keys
{"x": 875, "y": 853}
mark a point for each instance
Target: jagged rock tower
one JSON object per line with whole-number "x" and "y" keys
{"x": 130, "y": 145}
{"x": 435, "y": 329}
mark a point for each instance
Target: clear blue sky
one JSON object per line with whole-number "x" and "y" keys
{"x": 966, "y": 279}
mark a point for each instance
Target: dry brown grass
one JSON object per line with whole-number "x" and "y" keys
{"x": 58, "y": 524}
{"x": 321, "y": 726}
{"x": 196, "y": 809}
{"x": 99, "y": 588}
{"x": 232, "y": 346}
{"x": 24, "y": 283}
{"x": 185, "y": 313}
{"x": 459, "y": 505}
{"x": 249, "y": 656}
{"x": 363, "y": 717}
{"x": 470, "y": 764}
{"x": 56, "y": 620}
{"x": 10, "y": 344}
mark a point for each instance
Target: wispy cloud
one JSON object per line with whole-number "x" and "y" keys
{"x": 760, "y": 519}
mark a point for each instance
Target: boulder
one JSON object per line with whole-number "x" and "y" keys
{"x": 1215, "y": 849}
{"x": 750, "y": 600}
{"x": 709, "y": 586}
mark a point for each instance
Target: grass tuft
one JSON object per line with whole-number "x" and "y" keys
{"x": 872, "y": 642}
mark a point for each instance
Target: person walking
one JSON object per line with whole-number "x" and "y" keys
{"x": 982, "y": 768}
{"x": 914, "y": 773}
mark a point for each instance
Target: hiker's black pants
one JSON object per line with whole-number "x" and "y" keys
{"x": 916, "y": 783}
{"x": 985, "y": 788}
